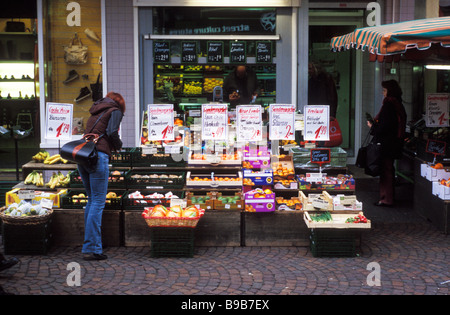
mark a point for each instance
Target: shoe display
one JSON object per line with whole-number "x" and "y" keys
{"x": 91, "y": 34}
{"x": 71, "y": 76}
{"x": 84, "y": 93}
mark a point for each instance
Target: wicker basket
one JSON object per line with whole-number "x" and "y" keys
{"x": 172, "y": 222}
{"x": 28, "y": 220}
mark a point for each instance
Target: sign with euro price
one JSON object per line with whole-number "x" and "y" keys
{"x": 316, "y": 123}
{"x": 437, "y": 109}
{"x": 161, "y": 51}
{"x": 189, "y": 52}
{"x": 215, "y": 52}
{"x": 161, "y": 122}
{"x": 320, "y": 156}
{"x": 59, "y": 117}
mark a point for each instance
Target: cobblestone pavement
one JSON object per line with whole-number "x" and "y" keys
{"x": 413, "y": 259}
{"x": 412, "y": 256}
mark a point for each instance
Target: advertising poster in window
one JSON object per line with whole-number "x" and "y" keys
{"x": 214, "y": 122}
{"x": 436, "y": 111}
{"x": 248, "y": 123}
{"x": 282, "y": 122}
{"x": 160, "y": 122}
{"x": 317, "y": 120}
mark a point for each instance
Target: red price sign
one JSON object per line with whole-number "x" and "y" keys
{"x": 248, "y": 123}
{"x": 160, "y": 122}
{"x": 59, "y": 119}
{"x": 282, "y": 121}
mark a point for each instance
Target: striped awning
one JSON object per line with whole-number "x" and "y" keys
{"x": 397, "y": 38}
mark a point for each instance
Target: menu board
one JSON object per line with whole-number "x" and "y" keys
{"x": 161, "y": 52}
{"x": 59, "y": 121}
{"x": 317, "y": 121}
{"x": 215, "y": 52}
{"x": 264, "y": 52}
{"x": 238, "y": 52}
{"x": 160, "y": 122}
{"x": 214, "y": 122}
{"x": 248, "y": 123}
{"x": 436, "y": 111}
{"x": 282, "y": 122}
{"x": 189, "y": 52}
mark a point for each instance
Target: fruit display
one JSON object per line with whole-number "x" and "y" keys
{"x": 150, "y": 180}
{"x": 263, "y": 177}
{"x": 235, "y": 202}
{"x": 332, "y": 220}
{"x": 211, "y": 83}
{"x": 25, "y": 209}
{"x": 222, "y": 159}
{"x": 200, "y": 201}
{"x": 259, "y": 200}
{"x": 216, "y": 180}
{"x": 285, "y": 184}
{"x": 288, "y": 204}
{"x": 140, "y": 199}
{"x": 314, "y": 182}
{"x": 283, "y": 167}
{"x": 360, "y": 218}
{"x": 34, "y": 178}
{"x": 192, "y": 68}
{"x": 58, "y": 180}
{"x": 160, "y": 215}
{"x": 41, "y": 156}
{"x": 192, "y": 87}
{"x": 55, "y": 159}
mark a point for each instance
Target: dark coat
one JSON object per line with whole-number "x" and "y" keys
{"x": 246, "y": 87}
{"x": 108, "y": 125}
{"x": 389, "y": 128}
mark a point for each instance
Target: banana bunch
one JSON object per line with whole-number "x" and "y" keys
{"x": 34, "y": 178}
{"x": 54, "y": 159}
{"x": 58, "y": 180}
{"x": 41, "y": 156}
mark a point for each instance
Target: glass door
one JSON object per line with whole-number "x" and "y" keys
{"x": 332, "y": 76}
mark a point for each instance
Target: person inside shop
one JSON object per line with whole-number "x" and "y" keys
{"x": 388, "y": 128}
{"x": 240, "y": 86}
{"x": 322, "y": 88}
{"x": 105, "y": 119}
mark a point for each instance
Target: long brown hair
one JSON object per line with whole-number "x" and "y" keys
{"x": 118, "y": 99}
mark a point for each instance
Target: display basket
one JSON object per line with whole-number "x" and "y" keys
{"x": 172, "y": 222}
{"x": 26, "y": 220}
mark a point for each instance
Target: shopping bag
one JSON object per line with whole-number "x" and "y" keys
{"x": 75, "y": 53}
{"x": 335, "y": 134}
{"x": 373, "y": 159}
{"x": 82, "y": 151}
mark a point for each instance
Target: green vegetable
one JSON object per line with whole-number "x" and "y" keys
{"x": 322, "y": 217}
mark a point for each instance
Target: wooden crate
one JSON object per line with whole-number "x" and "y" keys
{"x": 278, "y": 228}
{"x": 68, "y": 227}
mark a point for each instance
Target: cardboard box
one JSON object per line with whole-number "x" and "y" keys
{"x": 258, "y": 158}
{"x": 257, "y": 201}
{"x": 441, "y": 191}
{"x": 342, "y": 202}
{"x": 264, "y": 177}
{"x": 13, "y": 196}
{"x": 322, "y": 202}
{"x": 434, "y": 174}
{"x": 311, "y": 181}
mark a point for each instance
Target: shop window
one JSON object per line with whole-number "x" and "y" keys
{"x": 77, "y": 22}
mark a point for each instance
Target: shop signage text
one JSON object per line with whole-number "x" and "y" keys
{"x": 59, "y": 121}
{"x": 214, "y": 122}
{"x": 437, "y": 108}
{"x": 317, "y": 120}
{"x": 160, "y": 122}
{"x": 249, "y": 123}
{"x": 282, "y": 122}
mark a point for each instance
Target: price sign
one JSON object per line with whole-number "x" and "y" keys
{"x": 189, "y": 52}
{"x": 214, "y": 122}
{"x": 320, "y": 156}
{"x": 437, "y": 108}
{"x": 161, "y": 52}
{"x": 238, "y": 52}
{"x": 215, "y": 52}
{"x": 436, "y": 147}
{"x": 59, "y": 121}
{"x": 282, "y": 122}
{"x": 264, "y": 52}
{"x": 160, "y": 122}
{"x": 248, "y": 123}
{"x": 317, "y": 120}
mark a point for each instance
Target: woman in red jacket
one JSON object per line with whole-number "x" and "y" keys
{"x": 106, "y": 116}
{"x": 388, "y": 129}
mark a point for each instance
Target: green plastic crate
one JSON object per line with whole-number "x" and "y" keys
{"x": 334, "y": 242}
{"x": 172, "y": 242}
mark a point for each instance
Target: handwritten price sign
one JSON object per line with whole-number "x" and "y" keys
{"x": 317, "y": 120}
{"x": 437, "y": 108}
{"x": 160, "y": 122}
{"x": 248, "y": 123}
{"x": 282, "y": 122}
{"x": 59, "y": 121}
{"x": 214, "y": 122}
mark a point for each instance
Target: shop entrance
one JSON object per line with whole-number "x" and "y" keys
{"x": 332, "y": 77}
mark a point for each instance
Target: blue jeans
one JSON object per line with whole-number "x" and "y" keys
{"x": 96, "y": 185}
